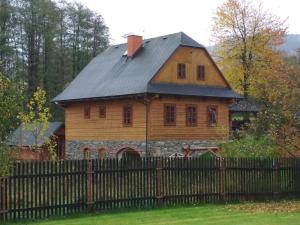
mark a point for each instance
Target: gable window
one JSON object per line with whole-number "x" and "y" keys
{"x": 191, "y": 115}
{"x": 170, "y": 115}
{"x": 87, "y": 112}
{"x": 200, "y": 72}
{"x": 181, "y": 71}
{"x": 212, "y": 115}
{"x": 102, "y": 111}
{"x": 127, "y": 115}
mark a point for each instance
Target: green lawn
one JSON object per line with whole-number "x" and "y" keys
{"x": 203, "y": 215}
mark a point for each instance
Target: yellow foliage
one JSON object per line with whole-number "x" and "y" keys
{"x": 36, "y": 120}
{"x": 245, "y": 38}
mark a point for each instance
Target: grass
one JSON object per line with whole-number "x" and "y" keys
{"x": 242, "y": 214}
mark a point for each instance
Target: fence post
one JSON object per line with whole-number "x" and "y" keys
{"x": 158, "y": 179}
{"x": 276, "y": 169}
{"x": 223, "y": 178}
{"x": 89, "y": 184}
{"x": 3, "y": 198}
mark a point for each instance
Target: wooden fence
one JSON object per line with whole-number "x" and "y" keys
{"x": 53, "y": 188}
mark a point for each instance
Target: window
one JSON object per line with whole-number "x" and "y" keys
{"x": 200, "y": 72}
{"x": 87, "y": 112}
{"x": 86, "y": 154}
{"x": 181, "y": 71}
{"x": 101, "y": 153}
{"x": 102, "y": 111}
{"x": 212, "y": 114}
{"x": 191, "y": 115}
{"x": 170, "y": 115}
{"x": 127, "y": 115}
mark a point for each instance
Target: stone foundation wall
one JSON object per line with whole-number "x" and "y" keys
{"x": 74, "y": 149}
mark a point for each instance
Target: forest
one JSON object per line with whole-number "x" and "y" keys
{"x": 44, "y": 44}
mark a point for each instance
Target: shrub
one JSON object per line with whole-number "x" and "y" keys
{"x": 5, "y": 160}
{"x": 250, "y": 145}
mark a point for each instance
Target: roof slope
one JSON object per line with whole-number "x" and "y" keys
{"x": 22, "y": 137}
{"x": 112, "y": 73}
{"x": 246, "y": 105}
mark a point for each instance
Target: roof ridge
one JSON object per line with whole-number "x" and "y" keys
{"x": 184, "y": 38}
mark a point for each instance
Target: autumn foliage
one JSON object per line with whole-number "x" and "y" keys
{"x": 247, "y": 37}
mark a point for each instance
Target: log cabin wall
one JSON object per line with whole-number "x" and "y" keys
{"x": 158, "y": 130}
{"x": 108, "y": 128}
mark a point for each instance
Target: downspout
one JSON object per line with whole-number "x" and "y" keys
{"x": 146, "y": 102}
{"x": 147, "y": 122}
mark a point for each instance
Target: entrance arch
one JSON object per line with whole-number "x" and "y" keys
{"x": 128, "y": 153}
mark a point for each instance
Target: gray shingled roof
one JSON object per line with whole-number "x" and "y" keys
{"x": 112, "y": 73}
{"x": 246, "y": 105}
{"x": 191, "y": 90}
{"x": 23, "y": 137}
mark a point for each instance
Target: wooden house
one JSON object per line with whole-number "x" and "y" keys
{"x": 146, "y": 98}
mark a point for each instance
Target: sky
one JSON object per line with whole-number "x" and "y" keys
{"x": 151, "y": 18}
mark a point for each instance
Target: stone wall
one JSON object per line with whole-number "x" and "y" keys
{"x": 74, "y": 149}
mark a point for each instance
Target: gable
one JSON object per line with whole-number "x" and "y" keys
{"x": 191, "y": 57}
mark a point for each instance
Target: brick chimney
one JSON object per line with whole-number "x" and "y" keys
{"x": 134, "y": 42}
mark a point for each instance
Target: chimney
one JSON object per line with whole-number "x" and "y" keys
{"x": 134, "y": 43}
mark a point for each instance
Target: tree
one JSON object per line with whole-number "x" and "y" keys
{"x": 37, "y": 116}
{"x": 46, "y": 43}
{"x": 245, "y": 38}
{"x": 10, "y": 106}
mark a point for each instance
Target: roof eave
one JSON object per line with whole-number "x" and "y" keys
{"x": 94, "y": 99}
{"x": 200, "y": 96}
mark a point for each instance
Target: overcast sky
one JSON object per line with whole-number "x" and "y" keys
{"x": 151, "y": 18}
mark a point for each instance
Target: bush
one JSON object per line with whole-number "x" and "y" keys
{"x": 5, "y": 160}
{"x": 250, "y": 145}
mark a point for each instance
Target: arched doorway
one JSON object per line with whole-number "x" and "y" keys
{"x": 129, "y": 158}
{"x": 128, "y": 154}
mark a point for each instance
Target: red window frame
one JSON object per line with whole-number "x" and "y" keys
{"x": 181, "y": 71}
{"x": 170, "y": 115}
{"x": 200, "y": 72}
{"x": 212, "y": 115}
{"x": 86, "y": 153}
{"x": 87, "y": 112}
{"x": 102, "y": 111}
{"x": 101, "y": 153}
{"x": 127, "y": 115}
{"x": 191, "y": 115}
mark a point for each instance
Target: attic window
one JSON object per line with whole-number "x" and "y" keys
{"x": 181, "y": 70}
{"x": 125, "y": 53}
{"x": 200, "y": 72}
{"x": 164, "y": 38}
